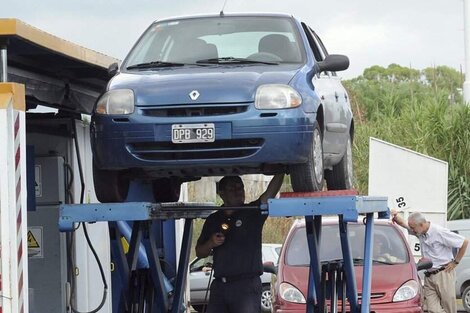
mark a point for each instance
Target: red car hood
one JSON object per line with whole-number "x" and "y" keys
{"x": 386, "y": 279}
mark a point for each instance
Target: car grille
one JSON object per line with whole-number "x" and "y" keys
{"x": 373, "y": 295}
{"x": 220, "y": 149}
{"x": 196, "y": 110}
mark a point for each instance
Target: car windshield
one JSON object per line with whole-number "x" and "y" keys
{"x": 217, "y": 40}
{"x": 389, "y": 248}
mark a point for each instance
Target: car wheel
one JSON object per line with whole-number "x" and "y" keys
{"x": 266, "y": 299}
{"x": 110, "y": 185}
{"x": 309, "y": 176}
{"x": 166, "y": 189}
{"x": 199, "y": 308}
{"x": 341, "y": 176}
{"x": 466, "y": 299}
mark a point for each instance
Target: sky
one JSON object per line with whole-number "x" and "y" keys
{"x": 412, "y": 33}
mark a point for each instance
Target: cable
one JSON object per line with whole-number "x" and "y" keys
{"x": 207, "y": 290}
{"x": 103, "y": 277}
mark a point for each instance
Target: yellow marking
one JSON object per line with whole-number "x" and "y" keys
{"x": 15, "y": 27}
{"x": 32, "y": 242}
{"x": 12, "y": 92}
{"x": 125, "y": 245}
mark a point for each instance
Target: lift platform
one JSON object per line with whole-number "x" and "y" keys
{"x": 341, "y": 282}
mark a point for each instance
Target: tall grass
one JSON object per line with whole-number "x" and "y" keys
{"x": 417, "y": 117}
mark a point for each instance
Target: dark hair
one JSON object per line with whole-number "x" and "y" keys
{"x": 226, "y": 180}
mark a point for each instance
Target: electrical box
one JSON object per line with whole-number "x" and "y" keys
{"x": 47, "y": 257}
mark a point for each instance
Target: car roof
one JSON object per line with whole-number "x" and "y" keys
{"x": 253, "y": 14}
{"x": 458, "y": 224}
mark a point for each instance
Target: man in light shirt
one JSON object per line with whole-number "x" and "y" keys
{"x": 436, "y": 243}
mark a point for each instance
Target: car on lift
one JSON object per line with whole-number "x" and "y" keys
{"x": 225, "y": 94}
{"x": 396, "y": 286}
{"x": 200, "y": 277}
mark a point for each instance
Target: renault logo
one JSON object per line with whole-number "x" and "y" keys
{"x": 194, "y": 95}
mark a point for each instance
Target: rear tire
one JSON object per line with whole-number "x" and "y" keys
{"x": 166, "y": 189}
{"x": 341, "y": 176}
{"x": 110, "y": 185}
{"x": 308, "y": 176}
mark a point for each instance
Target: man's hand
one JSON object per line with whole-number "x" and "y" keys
{"x": 450, "y": 267}
{"x": 217, "y": 239}
{"x": 393, "y": 213}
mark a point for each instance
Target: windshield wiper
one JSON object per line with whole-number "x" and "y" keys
{"x": 383, "y": 262}
{"x": 233, "y": 60}
{"x": 154, "y": 64}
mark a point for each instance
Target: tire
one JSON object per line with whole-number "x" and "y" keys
{"x": 341, "y": 176}
{"x": 199, "y": 308}
{"x": 166, "y": 189}
{"x": 266, "y": 300}
{"x": 309, "y": 176}
{"x": 110, "y": 185}
{"x": 466, "y": 299}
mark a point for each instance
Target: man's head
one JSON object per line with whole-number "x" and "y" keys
{"x": 418, "y": 224}
{"x": 232, "y": 191}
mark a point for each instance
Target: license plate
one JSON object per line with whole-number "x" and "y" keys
{"x": 187, "y": 133}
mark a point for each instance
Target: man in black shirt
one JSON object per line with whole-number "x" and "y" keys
{"x": 234, "y": 236}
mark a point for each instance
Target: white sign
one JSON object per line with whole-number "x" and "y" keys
{"x": 413, "y": 182}
{"x": 35, "y": 242}
{"x": 37, "y": 180}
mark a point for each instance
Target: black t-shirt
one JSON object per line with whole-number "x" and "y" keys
{"x": 240, "y": 254}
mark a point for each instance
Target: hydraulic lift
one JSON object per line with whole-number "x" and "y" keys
{"x": 332, "y": 281}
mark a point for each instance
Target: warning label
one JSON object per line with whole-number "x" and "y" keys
{"x": 35, "y": 242}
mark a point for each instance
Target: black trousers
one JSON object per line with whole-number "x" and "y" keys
{"x": 241, "y": 296}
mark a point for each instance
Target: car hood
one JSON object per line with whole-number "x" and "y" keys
{"x": 214, "y": 84}
{"x": 384, "y": 285}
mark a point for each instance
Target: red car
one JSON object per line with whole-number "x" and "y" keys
{"x": 395, "y": 283}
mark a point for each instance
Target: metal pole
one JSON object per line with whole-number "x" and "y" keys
{"x": 3, "y": 65}
{"x": 466, "y": 84}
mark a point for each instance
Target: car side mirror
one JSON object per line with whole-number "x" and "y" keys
{"x": 269, "y": 267}
{"x": 333, "y": 63}
{"x": 113, "y": 69}
{"x": 423, "y": 264}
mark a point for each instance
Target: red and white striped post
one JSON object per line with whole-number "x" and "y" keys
{"x": 13, "y": 227}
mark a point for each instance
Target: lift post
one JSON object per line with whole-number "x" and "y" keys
{"x": 341, "y": 276}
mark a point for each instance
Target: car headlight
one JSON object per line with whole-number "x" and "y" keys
{"x": 277, "y": 97}
{"x": 289, "y": 293}
{"x": 407, "y": 291}
{"x": 118, "y": 101}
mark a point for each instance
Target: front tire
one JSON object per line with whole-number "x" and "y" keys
{"x": 341, "y": 176}
{"x": 110, "y": 185}
{"x": 466, "y": 299}
{"x": 266, "y": 301}
{"x": 308, "y": 176}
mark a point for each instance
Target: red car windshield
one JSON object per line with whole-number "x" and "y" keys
{"x": 389, "y": 247}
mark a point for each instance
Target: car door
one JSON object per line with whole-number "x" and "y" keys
{"x": 199, "y": 275}
{"x": 329, "y": 89}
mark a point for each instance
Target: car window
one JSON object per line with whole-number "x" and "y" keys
{"x": 278, "y": 251}
{"x": 200, "y": 263}
{"x": 388, "y": 245}
{"x": 317, "y": 52}
{"x": 270, "y": 39}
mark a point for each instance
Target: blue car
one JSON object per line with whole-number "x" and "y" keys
{"x": 225, "y": 94}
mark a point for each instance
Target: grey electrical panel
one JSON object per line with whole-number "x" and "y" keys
{"x": 47, "y": 257}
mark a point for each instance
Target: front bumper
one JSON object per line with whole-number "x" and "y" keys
{"x": 245, "y": 141}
